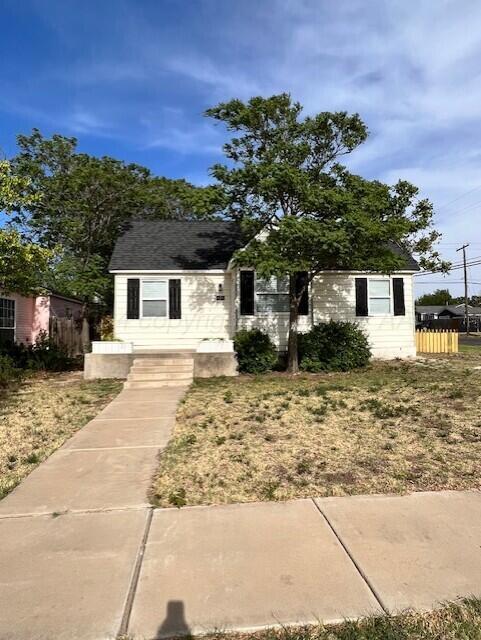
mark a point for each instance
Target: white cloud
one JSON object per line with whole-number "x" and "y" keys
{"x": 201, "y": 139}
{"x": 410, "y": 68}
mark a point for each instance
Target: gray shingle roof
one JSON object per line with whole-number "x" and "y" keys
{"x": 411, "y": 264}
{"x": 185, "y": 244}
{"x": 176, "y": 244}
{"x": 430, "y": 308}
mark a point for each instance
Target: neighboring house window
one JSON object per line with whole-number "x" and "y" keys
{"x": 7, "y": 320}
{"x": 154, "y": 298}
{"x": 379, "y": 296}
{"x": 272, "y": 294}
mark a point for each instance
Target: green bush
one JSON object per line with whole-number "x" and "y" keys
{"x": 333, "y": 346}
{"x": 44, "y": 355}
{"x": 256, "y": 353}
{"x": 8, "y": 371}
{"x": 47, "y": 356}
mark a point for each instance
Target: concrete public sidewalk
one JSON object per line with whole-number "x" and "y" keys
{"x": 83, "y": 555}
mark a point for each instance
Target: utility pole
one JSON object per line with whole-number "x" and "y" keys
{"x": 466, "y": 306}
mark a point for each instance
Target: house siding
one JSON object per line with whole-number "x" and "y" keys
{"x": 24, "y": 316}
{"x": 275, "y": 324}
{"x": 332, "y": 297}
{"x": 24, "y": 310}
{"x": 32, "y": 314}
{"x": 41, "y": 315}
{"x": 203, "y": 316}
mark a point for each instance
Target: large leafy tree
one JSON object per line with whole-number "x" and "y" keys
{"x": 14, "y": 189}
{"x": 437, "y": 297}
{"x": 441, "y": 297}
{"x": 22, "y": 264}
{"x": 285, "y": 181}
{"x": 85, "y": 203}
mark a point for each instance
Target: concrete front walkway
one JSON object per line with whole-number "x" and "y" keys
{"x": 71, "y": 532}
{"x": 83, "y": 555}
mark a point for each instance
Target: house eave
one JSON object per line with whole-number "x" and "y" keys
{"x": 163, "y": 271}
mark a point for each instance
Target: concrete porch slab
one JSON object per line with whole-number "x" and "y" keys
{"x": 244, "y": 567}
{"x": 416, "y": 550}
{"x": 122, "y": 433}
{"x": 142, "y": 409}
{"x": 84, "y": 480}
{"x": 67, "y": 577}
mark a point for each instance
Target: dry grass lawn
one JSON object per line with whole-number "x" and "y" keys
{"x": 393, "y": 427}
{"x": 454, "y": 621}
{"x": 37, "y": 417}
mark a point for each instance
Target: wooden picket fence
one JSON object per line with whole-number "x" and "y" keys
{"x": 442, "y": 341}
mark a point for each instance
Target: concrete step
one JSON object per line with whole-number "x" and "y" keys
{"x": 155, "y": 384}
{"x": 154, "y": 355}
{"x": 161, "y": 368}
{"x": 170, "y": 375}
{"x": 162, "y": 361}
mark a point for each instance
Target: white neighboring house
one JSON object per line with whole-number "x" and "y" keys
{"x": 175, "y": 287}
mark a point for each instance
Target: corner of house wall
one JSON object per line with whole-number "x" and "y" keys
{"x": 40, "y": 316}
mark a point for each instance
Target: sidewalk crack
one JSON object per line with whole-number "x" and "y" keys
{"x": 124, "y": 625}
{"x": 359, "y": 569}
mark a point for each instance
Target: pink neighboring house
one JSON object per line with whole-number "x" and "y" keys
{"x": 23, "y": 318}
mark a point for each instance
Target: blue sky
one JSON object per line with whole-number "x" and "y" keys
{"x": 132, "y": 78}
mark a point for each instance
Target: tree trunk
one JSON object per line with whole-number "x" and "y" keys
{"x": 292, "y": 351}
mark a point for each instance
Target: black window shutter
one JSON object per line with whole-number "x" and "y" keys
{"x": 175, "y": 311}
{"x": 133, "y": 298}
{"x": 301, "y": 280}
{"x": 247, "y": 293}
{"x": 398, "y": 294}
{"x": 361, "y": 297}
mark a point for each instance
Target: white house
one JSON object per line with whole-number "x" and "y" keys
{"x": 175, "y": 287}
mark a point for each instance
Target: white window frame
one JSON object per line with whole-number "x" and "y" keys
{"x": 276, "y": 293}
{"x": 14, "y": 317}
{"x": 167, "y": 301}
{"x": 379, "y": 315}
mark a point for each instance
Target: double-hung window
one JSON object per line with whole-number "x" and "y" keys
{"x": 7, "y": 320}
{"x": 379, "y": 292}
{"x": 154, "y": 298}
{"x": 272, "y": 294}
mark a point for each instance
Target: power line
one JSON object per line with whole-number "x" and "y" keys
{"x": 453, "y": 268}
{"x": 457, "y": 264}
{"x": 466, "y": 193}
{"x": 473, "y": 260}
{"x": 467, "y": 208}
{"x": 447, "y": 282}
